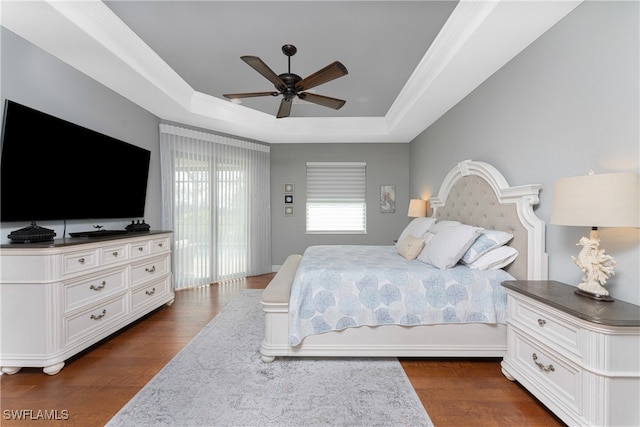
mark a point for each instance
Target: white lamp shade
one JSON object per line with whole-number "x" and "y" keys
{"x": 417, "y": 208}
{"x": 598, "y": 200}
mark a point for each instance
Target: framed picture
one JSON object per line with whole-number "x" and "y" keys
{"x": 387, "y": 198}
{"x": 288, "y": 199}
{"x": 288, "y": 210}
{"x": 288, "y": 188}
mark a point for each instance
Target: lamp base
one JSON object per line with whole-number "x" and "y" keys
{"x": 596, "y": 297}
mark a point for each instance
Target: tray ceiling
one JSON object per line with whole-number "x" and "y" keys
{"x": 409, "y": 61}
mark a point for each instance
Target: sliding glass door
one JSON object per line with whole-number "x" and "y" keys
{"x": 216, "y": 199}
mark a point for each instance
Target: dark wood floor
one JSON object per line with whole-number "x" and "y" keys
{"x": 94, "y": 385}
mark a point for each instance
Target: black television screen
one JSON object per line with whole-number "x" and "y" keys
{"x": 52, "y": 169}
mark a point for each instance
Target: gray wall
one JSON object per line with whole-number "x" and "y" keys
{"x": 36, "y": 79}
{"x": 386, "y": 164}
{"x": 566, "y": 105}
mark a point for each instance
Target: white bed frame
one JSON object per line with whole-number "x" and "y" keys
{"x": 474, "y": 193}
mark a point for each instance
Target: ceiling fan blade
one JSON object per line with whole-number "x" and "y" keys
{"x": 285, "y": 108}
{"x": 325, "y": 101}
{"x": 249, "y": 94}
{"x": 258, "y": 65}
{"x": 328, "y": 73}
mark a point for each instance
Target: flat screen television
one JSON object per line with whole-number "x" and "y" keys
{"x": 52, "y": 169}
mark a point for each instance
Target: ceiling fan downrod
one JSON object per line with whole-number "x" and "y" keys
{"x": 289, "y": 78}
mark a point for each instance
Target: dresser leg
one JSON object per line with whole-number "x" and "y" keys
{"x": 53, "y": 369}
{"x": 10, "y": 370}
{"x": 506, "y": 373}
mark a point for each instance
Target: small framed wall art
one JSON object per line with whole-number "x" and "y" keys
{"x": 288, "y": 188}
{"x": 288, "y": 199}
{"x": 387, "y": 198}
{"x": 288, "y": 210}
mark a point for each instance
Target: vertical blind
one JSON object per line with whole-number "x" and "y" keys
{"x": 216, "y": 200}
{"x": 336, "y": 197}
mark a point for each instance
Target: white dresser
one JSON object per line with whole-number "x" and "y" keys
{"x": 580, "y": 357}
{"x": 58, "y": 298}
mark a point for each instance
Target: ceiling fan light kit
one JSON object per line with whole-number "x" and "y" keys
{"x": 291, "y": 85}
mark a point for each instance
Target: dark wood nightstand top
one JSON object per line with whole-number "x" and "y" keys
{"x": 562, "y": 297}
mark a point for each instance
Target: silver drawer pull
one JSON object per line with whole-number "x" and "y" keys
{"x": 150, "y": 270}
{"x": 549, "y": 368}
{"x": 99, "y": 287}
{"x": 81, "y": 260}
{"x": 99, "y": 316}
{"x": 151, "y": 292}
{"x": 542, "y": 322}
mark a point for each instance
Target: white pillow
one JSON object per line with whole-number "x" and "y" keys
{"x": 495, "y": 259}
{"x": 448, "y": 244}
{"x": 417, "y": 228}
{"x": 410, "y": 247}
{"x": 442, "y": 224}
{"x": 489, "y": 239}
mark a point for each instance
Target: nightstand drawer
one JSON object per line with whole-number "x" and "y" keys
{"x": 555, "y": 375}
{"x": 544, "y": 324}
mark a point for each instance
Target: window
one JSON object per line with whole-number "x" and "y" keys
{"x": 336, "y": 197}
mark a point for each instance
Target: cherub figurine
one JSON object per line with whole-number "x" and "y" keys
{"x": 595, "y": 264}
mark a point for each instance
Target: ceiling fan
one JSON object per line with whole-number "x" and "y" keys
{"x": 290, "y": 85}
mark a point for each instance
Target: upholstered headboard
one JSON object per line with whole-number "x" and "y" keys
{"x": 475, "y": 193}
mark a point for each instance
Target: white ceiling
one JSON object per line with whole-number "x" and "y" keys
{"x": 409, "y": 61}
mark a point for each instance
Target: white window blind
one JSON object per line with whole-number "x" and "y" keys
{"x": 336, "y": 197}
{"x": 216, "y": 200}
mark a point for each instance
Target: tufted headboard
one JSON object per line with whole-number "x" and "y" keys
{"x": 475, "y": 193}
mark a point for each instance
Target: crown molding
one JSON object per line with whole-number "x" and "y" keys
{"x": 476, "y": 41}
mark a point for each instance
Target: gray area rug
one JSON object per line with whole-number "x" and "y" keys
{"x": 219, "y": 379}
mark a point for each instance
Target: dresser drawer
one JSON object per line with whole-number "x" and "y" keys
{"x": 113, "y": 254}
{"x": 87, "y": 290}
{"x": 74, "y": 262}
{"x": 149, "y": 270}
{"x": 160, "y": 245}
{"x": 89, "y": 322}
{"x": 140, "y": 249}
{"x": 552, "y": 373}
{"x": 541, "y": 323}
{"x": 148, "y": 293}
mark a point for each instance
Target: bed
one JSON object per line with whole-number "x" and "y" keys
{"x": 474, "y": 194}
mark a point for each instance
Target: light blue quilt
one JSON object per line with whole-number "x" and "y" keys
{"x": 337, "y": 287}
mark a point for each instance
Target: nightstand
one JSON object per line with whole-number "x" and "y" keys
{"x": 579, "y": 357}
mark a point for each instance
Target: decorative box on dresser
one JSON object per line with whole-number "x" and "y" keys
{"x": 580, "y": 357}
{"x": 58, "y": 298}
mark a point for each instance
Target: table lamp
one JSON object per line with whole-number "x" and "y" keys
{"x": 417, "y": 208}
{"x": 596, "y": 200}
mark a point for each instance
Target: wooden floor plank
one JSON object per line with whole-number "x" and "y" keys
{"x": 95, "y": 384}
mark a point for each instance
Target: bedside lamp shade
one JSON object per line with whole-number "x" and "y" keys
{"x": 417, "y": 208}
{"x": 598, "y": 200}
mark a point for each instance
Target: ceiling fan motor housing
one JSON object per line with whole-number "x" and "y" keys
{"x": 290, "y": 80}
